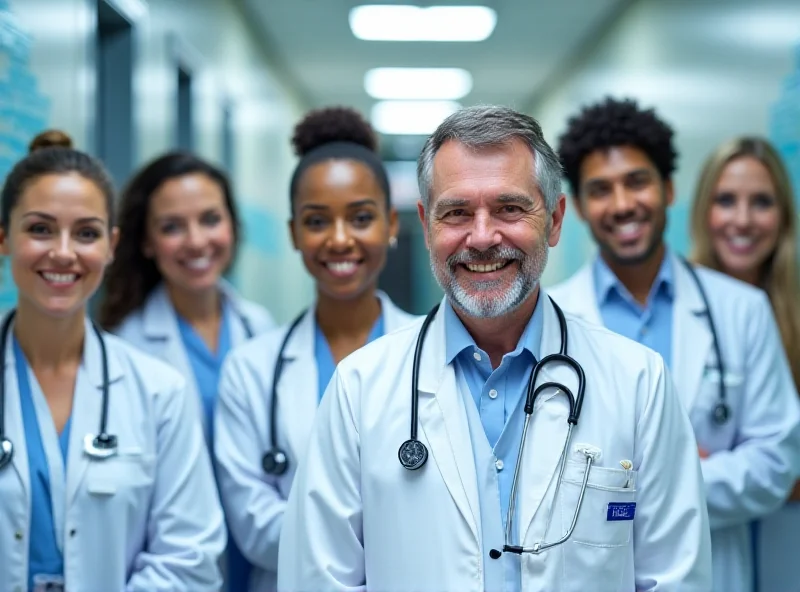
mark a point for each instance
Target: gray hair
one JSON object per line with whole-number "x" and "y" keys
{"x": 482, "y": 126}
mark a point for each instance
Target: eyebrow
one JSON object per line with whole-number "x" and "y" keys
{"x": 517, "y": 198}
{"x": 639, "y": 171}
{"x": 52, "y": 218}
{"x": 356, "y": 204}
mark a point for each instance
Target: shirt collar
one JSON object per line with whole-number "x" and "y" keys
{"x": 458, "y": 339}
{"x": 605, "y": 280}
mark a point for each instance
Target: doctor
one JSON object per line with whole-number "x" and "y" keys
{"x": 342, "y": 224}
{"x": 164, "y": 291}
{"x": 619, "y": 161}
{"x": 409, "y": 477}
{"x": 744, "y": 223}
{"x": 105, "y": 480}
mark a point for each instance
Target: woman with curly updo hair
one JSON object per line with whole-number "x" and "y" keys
{"x": 342, "y": 224}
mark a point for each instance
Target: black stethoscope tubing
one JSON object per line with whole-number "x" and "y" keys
{"x": 275, "y": 460}
{"x": 413, "y": 454}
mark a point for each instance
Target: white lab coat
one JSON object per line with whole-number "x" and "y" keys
{"x": 154, "y": 329}
{"x": 357, "y": 520}
{"x": 146, "y": 520}
{"x": 254, "y": 501}
{"x": 754, "y": 457}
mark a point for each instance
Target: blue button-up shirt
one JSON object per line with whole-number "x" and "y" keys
{"x": 651, "y": 324}
{"x": 496, "y": 422}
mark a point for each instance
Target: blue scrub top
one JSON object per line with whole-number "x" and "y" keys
{"x": 322, "y": 353}
{"x": 206, "y": 365}
{"x": 45, "y": 556}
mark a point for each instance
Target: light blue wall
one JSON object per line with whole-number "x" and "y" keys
{"x": 57, "y": 80}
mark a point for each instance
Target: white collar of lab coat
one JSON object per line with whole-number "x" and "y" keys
{"x": 92, "y": 362}
{"x": 393, "y": 318}
{"x": 158, "y": 307}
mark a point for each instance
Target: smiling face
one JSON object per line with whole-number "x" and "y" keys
{"x": 59, "y": 241}
{"x": 341, "y": 227}
{"x": 487, "y": 228}
{"x": 624, "y": 200}
{"x": 744, "y": 219}
{"x": 190, "y": 232}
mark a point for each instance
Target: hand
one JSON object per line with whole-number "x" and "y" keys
{"x": 703, "y": 453}
{"x": 795, "y": 496}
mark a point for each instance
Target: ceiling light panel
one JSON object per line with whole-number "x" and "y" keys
{"x": 374, "y": 22}
{"x": 418, "y": 83}
{"x": 410, "y": 117}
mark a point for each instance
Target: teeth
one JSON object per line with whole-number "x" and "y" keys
{"x": 628, "y": 228}
{"x": 741, "y": 241}
{"x": 485, "y": 268}
{"x": 342, "y": 266}
{"x": 60, "y": 278}
{"x": 200, "y": 263}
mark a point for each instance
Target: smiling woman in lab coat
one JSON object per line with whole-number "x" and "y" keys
{"x": 165, "y": 293}
{"x": 342, "y": 224}
{"x": 145, "y": 519}
{"x": 744, "y": 224}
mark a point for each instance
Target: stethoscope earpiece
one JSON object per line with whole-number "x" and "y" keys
{"x": 275, "y": 462}
{"x": 6, "y": 452}
{"x": 412, "y": 454}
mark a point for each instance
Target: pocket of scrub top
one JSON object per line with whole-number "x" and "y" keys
{"x": 126, "y": 473}
{"x": 605, "y": 518}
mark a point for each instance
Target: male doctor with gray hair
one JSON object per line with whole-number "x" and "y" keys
{"x": 415, "y": 477}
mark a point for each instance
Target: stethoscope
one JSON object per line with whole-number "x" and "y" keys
{"x": 275, "y": 461}
{"x": 722, "y": 411}
{"x": 413, "y": 454}
{"x": 99, "y": 447}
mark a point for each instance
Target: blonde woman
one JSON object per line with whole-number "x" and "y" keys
{"x": 744, "y": 223}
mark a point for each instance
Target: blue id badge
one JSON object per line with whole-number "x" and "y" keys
{"x": 621, "y": 511}
{"x": 48, "y": 583}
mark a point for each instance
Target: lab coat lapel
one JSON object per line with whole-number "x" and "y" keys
{"x": 15, "y": 431}
{"x": 87, "y": 406}
{"x": 298, "y": 396}
{"x": 393, "y": 317}
{"x": 691, "y": 338}
{"x": 547, "y": 430}
{"x": 160, "y": 322}
{"x": 577, "y": 296}
{"x": 443, "y": 421}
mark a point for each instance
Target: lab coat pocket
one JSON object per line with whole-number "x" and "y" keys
{"x": 609, "y": 505}
{"x": 125, "y": 475}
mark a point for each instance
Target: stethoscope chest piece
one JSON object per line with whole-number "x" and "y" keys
{"x": 412, "y": 454}
{"x": 274, "y": 462}
{"x": 722, "y": 413}
{"x": 101, "y": 446}
{"x": 6, "y": 452}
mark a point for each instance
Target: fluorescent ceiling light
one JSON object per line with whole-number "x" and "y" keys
{"x": 410, "y": 117}
{"x": 418, "y": 83}
{"x": 375, "y": 22}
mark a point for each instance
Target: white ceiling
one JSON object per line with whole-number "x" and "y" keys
{"x": 533, "y": 43}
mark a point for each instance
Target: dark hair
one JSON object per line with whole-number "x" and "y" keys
{"x": 51, "y": 137}
{"x": 132, "y": 276}
{"x": 336, "y": 133}
{"x": 613, "y": 123}
{"x": 54, "y": 161}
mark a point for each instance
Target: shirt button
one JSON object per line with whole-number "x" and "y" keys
{"x": 499, "y": 464}
{"x": 477, "y": 356}
{"x": 18, "y": 535}
{"x": 492, "y": 394}
{"x": 72, "y": 532}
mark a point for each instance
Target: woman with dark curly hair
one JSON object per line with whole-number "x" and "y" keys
{"x": 165, "y": 293}
{"x": 343, "y": 225}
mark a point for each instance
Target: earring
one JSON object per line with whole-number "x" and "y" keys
{"x": 392, "y": 242}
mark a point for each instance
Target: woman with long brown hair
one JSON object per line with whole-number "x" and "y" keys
{"x": 744, "y": 223}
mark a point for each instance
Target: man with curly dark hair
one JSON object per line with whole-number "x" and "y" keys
{"x": 716, "y": 334}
